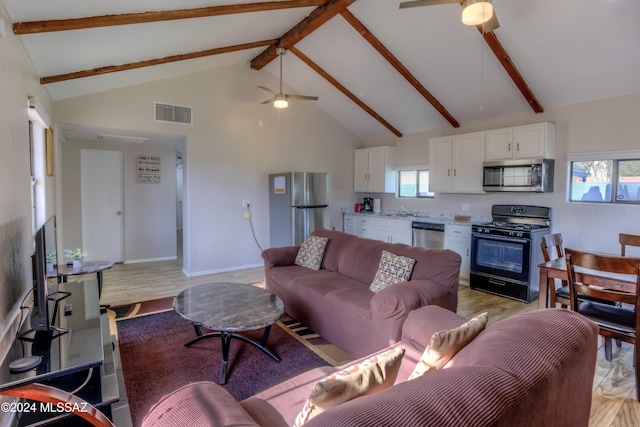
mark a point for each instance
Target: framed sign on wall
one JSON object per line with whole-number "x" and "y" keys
{"x": 149, "y": 169}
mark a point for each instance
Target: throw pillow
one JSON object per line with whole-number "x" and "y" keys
{"x": 392, "y": 269}
{"x": 445, "y": 344}
{"x": 311, "y": 252}
{"x": 374, "y": 374}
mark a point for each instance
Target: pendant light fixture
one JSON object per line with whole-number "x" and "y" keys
{"x": 476, "y": 12}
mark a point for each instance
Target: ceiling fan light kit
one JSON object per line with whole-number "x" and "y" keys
{"x": 476, "y": 12}
{"x": 280, "y": 99}
{"x": 280, "y": 103}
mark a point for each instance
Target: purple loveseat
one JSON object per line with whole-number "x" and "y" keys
{"x": 336, "y": 302}
{"x": 534, "y": 369}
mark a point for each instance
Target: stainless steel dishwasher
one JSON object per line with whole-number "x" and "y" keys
{"x": 428, "y": 234}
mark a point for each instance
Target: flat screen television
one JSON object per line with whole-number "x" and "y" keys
{"x": 41, "y": 320}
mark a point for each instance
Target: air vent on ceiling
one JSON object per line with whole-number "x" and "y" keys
{"x": 173, "y": 113}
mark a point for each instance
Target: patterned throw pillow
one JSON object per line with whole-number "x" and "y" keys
{"x": 311, "y": 252}
{"x": 372, "y": 375}
{"x": 445, "y": 344}
{"x": 391, "y": 270}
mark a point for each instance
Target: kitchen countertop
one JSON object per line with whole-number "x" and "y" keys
{"x": 438, "y": 218}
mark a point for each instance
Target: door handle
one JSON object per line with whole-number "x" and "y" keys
{"x": 119, "y": 213}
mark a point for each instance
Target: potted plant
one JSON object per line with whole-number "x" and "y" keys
{"x": 77, "y": 255}
{"x": 51, "y": 259}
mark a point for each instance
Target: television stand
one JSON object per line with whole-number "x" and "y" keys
{"x": 83, "y": 362}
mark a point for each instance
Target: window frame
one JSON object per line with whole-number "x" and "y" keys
{"x": 615, "y": 158}
{"x": 417, "y": 170}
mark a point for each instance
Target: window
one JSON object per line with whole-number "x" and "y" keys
{"x": 414, "y": 183}
{"x": 605, "y": 181}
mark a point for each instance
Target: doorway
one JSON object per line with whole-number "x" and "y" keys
{"x": 102, "y": 188}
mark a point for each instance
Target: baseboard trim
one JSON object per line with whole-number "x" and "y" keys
{"x": 221, "y": 270}
{"x": 138, "y": 261}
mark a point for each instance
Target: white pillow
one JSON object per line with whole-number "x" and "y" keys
{"x": 374, "y": 374}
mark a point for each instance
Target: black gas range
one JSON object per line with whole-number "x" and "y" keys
{"x": 506, "y": 251}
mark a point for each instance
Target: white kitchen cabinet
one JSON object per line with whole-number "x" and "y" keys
{"x": 393, "y": 234}
{"x": 458, "y": 239}
{"x": 364, "y": 228}
{"x": 455, "y": 163}
{"x": 521, "y": 142}
{"x": 379, "y": 228}
{"x": 374, "y": 170}
{"x": 349, "y": 224}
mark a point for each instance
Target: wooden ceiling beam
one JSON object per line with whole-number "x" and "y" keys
{"x": 316, "y": 18}
{"x": 344, "y": 90}
{"x": 150, "y": 62}
{"x": 503, "y": 57}
{"x": 395, "y": 63}
{"x": 36, "y": 27}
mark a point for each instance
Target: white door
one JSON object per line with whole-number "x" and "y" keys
{"x": 102, "y": 204}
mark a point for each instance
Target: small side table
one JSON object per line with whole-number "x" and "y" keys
{"x": 88, "y": 267}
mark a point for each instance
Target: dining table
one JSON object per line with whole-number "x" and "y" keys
{"x": 557, "y": 269}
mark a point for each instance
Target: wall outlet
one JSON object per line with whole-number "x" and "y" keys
{"x": 465, "y": 207}
{"x": 246, "y": 203}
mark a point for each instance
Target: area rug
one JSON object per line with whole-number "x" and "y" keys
{"x": 323, "y": 348}
{"x": 156, "y": 362}
{"x": 144, "y": 308}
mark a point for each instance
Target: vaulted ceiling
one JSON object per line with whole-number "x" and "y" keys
{"x": 378, "y": 69}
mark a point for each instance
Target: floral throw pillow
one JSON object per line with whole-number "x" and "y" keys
{"x": 372, "y": 375}
{"x": 392, "y": 269}
{"x": 445, "y": 344}
{"x": 311, "y": 252}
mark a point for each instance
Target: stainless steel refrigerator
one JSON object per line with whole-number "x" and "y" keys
{"x": 298, "y": 204}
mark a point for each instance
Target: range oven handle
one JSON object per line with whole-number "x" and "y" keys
{"x": 501, "y": 238}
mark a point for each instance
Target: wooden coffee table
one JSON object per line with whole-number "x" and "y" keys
{"x": 229, "y": 308}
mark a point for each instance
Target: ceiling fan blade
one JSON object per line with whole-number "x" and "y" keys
{"x": 419, "y": 3}
{"x": 268, "y": 90}
{"x": 491, "y": 24}
{"x": 309, "y": 98}
{"x": 268, "y": 101}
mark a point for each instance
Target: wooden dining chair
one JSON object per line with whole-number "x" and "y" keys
{"x": 627, "y": 240}
{"x": 620, "y": 321}
{"x": 551, "y": 246}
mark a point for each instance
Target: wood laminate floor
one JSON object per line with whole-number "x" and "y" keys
{"x": 614, "y": 396}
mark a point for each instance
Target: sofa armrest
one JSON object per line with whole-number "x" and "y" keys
{"x": 422, "y": 323}
{"x": 285, "y": 255}
{"x": 198, "y": 404}
{"x": 406, "y": 296}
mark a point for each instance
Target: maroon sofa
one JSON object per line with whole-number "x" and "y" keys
{"x": 336, "y": 302}
{"x": 532, "y": 369}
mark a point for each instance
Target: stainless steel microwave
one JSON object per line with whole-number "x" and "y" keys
{"x": 526, "y": 175}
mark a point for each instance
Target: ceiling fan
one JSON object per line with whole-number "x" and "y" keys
{"x": 279, "y": 99}
{"x": 474, "y": 12}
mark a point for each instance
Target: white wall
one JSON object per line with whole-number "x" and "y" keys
{"x": 604, "y": 125}
{"x": 149, "y": 209}
{"x": 18, "y": 80}
{"x": 228, "y": 155}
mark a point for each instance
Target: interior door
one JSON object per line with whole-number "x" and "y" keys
{"x": 102, "y": 204}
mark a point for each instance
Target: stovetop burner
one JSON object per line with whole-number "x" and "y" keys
{"x": 513, "y": 226}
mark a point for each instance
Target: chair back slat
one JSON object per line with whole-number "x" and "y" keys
{"x": 552, "y": 243}
{"x": 627, "y": 240}
{"x": 608, "y": 263}
{"x": 590, "y": 286}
